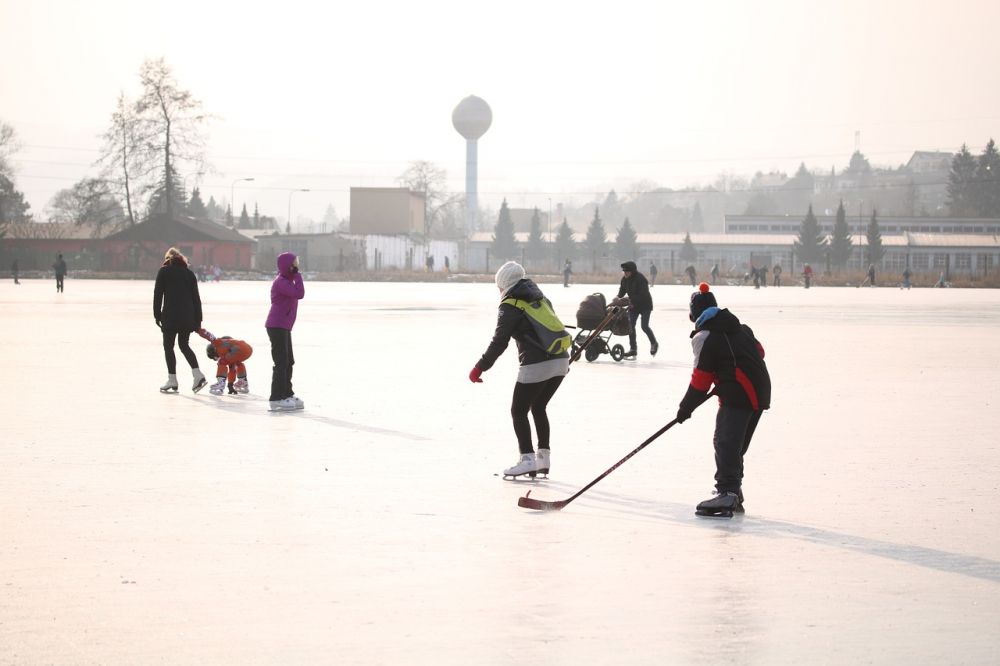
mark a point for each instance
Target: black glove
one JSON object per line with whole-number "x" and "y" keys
{"x": 158, "y": 324}
{"x": 683, "y": 415}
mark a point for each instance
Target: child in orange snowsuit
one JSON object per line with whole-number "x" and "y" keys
{"x": 229, "y": 353}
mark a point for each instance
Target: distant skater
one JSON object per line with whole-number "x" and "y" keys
{"x": 287, "y": 290}
{"x": 715, "y": 273}
{"x": 807, "y": 274}
{"x": 652, "y": 274}
{"x": 906, "y": 277}
{"x": 567, "y": 271}
{"x": 870, "y": 279}
{"x": 544, "y": 363}
{"x": 636, "y": 286}
{"x": 60, "y": 269}
{"x": 14, "y": 271}
{"x": 762, "y": 271}
{"x": 177, "y": 311}
{"x": 776, "y": 272}
{"x": 229, "y": 353}
{"x": 728, "y": 356}
{"x": 692, "y": 274}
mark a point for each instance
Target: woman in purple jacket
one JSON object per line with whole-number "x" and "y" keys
{"x": 286, "y": 291}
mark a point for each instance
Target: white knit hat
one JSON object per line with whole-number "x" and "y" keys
{"x": 509, "y": 275}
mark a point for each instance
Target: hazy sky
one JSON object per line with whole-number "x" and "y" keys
{"x": 585, "y": 95}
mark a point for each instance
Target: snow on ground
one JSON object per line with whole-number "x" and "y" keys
{"x": 371, "y": 528}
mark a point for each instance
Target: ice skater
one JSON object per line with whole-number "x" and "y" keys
{"x": 652, "y": 274}
{"x": 230, "y": 354}
{"x": 287, "y": 290}
{"x": 544, "y": 363}
{"x": 728, "y": 356}
{"x": 807, "y": 274}
{"x": 177, "y": 311}
{"x": 907, "y": 273}
{"x": 60, "y": 270}
{"x": 635, "y": 285}
{"x": 776, "y": 272}
{"x": 567, "y": 272}
{"x": 14, "y": 271}
{"x": 692, "y": 274}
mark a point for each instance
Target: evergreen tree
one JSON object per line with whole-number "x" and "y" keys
{"x": 213, "y": 211}
{"x": 961, "y": 200}
{"x": 810, "y": 243}
{"x": 689, "y": 252}
{"x": 196, "y": 207}
{"x": 697, "y": 221}
{"x": 841, "y": 244}
{"x": 167, "y": 197}
{"x": 987, "y": 190}
{"x": 535, "y": 251}
{"x": 13, "y": 207}
{"x": 612, "y": 208}
{"x": 256, "y": 216}
{"x": 565, "y": 243}
{"x": 229, "y": 215}
{"x": 597, "y": 239}
{"x": 244, "y": 218}
{"x": 875, "y": 249}
{"x": 504, "y": 243}
{"x": 626, "y": 244}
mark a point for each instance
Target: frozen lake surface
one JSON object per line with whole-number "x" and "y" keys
{"x": 371, "y": 528}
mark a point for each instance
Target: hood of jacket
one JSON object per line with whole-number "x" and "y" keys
{"x": 285, "y": 261}
{"x": 525, "y": 290}
{"x": 630, "y": 266}
{"x": 716, "y": 319}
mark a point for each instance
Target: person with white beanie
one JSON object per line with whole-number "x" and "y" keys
{"x": 542, "y": 352}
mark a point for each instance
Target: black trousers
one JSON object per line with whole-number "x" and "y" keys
{"x": 643, "y": 318}
{"x": 182, "y": 337}
{"x": 284, "y": 359}
{"x": 59, "y": 283}
{"x": 734, "y": 429}
{"x": 534, "y": 398}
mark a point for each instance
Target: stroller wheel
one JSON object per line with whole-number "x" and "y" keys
{"x": 592, "y": 353}
{"x": 618, "y": 352}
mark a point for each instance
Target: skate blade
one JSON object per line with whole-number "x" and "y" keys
{"x": 527, "y": 476}
{"x": 714, "y": 514}
{"x": 169, "y": 390}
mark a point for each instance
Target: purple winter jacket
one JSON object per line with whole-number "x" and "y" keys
{"x": 286, "y": 290}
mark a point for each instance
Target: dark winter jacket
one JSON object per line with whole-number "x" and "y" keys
{"x": 637, "y": 288}
{"x": 176, "y": 302}
{"x": 727, "y": 354}
{"x": 513, "y": 323}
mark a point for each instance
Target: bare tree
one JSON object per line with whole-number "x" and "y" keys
{"x": 8, "y": 146}
{"x": 170, "y": 123}
{"x": 90, "y": 201}
{"x": 124, "y": 164}
{"x": 426, "y": 177}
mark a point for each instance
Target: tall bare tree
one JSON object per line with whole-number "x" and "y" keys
{"x": 123, "y": 163}
{"x": 8, "y": 146}
{"x": 426, "y": 177}
{"x": 171, "y": 125}
{"x": 88, "y": 202}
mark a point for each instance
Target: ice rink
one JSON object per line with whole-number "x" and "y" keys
{"x": 372, "y": 528}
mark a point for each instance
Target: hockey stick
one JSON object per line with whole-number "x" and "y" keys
{"x": 541, "y": 505}
{"x": 612, "y": 311}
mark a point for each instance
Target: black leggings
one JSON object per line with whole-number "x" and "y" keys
{"x": 533, "y": 398}
{"x": 182, "y": 342}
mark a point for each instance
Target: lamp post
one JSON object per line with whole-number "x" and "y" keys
{"x": 290, "y": 193}
{"x": 232, "y": 201}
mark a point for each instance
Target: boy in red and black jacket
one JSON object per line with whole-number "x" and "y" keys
{"x": 726, "y": 354}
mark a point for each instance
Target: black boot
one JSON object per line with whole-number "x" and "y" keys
{"x": 722, "y": 505}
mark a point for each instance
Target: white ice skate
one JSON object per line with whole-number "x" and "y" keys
{"x": 298, "y": 402}
{"x": 542, "y": 461}
{"x": 218, "y": 387}
{"x": 527, "y": 465}
{"x": 199, "y": 380}
{"x": 241, "y": 386}
{"x": 171, "y": 384}
{"x": 286, "y": 405}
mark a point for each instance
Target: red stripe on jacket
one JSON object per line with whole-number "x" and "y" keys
{"x": 701, "y": 380}
{"x": 748, "y": 388}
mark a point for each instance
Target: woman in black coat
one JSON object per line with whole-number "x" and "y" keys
{"x": 177, "y": 311}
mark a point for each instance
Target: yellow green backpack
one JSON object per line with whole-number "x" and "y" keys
{"x": 551, "y": 332}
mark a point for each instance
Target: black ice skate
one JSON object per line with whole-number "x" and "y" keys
{"x": 630, "y": 354}
{"x": 722, "y": 505}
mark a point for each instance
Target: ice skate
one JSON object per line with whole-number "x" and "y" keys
{"x": 722, "y": 505}
{"x": 298, "y": 402}
{"x": 631, "y": 354}
{"x": 171, "y": 384}
{"x": 653, "y": 348}
{"x": 218, "y": 387}
{"x": 286, "y": 405}
{"x": 527, "y": 465}
{"x": 241, "y": 386}
{"x": 199, "y": 380}
{"x": 542, "y": 461}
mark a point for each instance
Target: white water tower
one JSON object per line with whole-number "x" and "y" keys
{"x": 472, "y": 117}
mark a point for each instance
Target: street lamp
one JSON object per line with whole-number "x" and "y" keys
{"x": 232, "y": 202}
{"x": 290, "y": 193}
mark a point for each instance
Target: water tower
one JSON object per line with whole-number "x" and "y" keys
{"x": 472, "y": 117}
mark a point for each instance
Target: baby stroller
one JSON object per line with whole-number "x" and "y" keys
{"x": 596, "y": 323}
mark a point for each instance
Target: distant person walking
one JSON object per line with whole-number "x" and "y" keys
{"x": 807, "y": 274}
{"x": 692, "y": 275}
{"x": 870, "y": 278}
{"x": 636, "y": 286}
{"x": 762, "y": 271}
{"x": 60, "y": 269}
{"x": 177, "y": 311}
{"x": 14, "y": 271}
{"x": 776, "y": 271}
{"x": 652, "y": 274}
{"x": 715, "y": 272}
{"x": 906, "y": 277}
{"x": 567, "y": 271}
{"x": 287, "y": 290}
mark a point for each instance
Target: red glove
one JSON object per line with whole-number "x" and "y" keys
{"x": 474, "y": 375}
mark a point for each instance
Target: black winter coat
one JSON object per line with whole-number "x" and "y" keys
{"x": 727, "y": 354}
{"x": 176, "y": 302}
{"x": 637, "y": 288}
{"x": 513, "y": 323}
